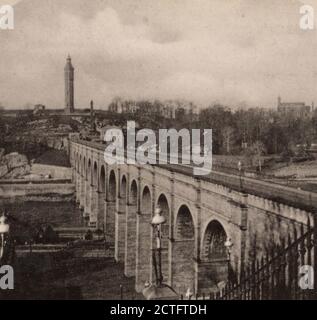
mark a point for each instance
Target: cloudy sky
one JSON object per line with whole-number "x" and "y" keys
{"x": 234, "y": 52}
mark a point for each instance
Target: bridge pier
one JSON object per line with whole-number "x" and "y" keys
{"x": 143, "y": 251}
{"x": 77, "y": 186}
{"x": 81, "y": 192}
{"x": 130, "y": 240}
{"x": 87, "y": 199}
{"x": 100, "y": 210}
{"x": 209, "y": 274}
{"x": 183, "y": 269}
{"x": 87, "y": 211}
{"x": 93, "y": 206}
{"x": 110, "y": 211}
{"x": 120, "y": 219}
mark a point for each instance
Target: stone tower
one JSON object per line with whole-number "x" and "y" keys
{"x": 69, "y": 86}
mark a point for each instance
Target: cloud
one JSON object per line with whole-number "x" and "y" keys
{"x": 204, "y": 51}
{"x": 9, "y": 2}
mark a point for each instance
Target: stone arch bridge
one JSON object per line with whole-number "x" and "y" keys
{"x": 200, "y": 212}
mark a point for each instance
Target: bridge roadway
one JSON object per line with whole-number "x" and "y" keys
{"x": 273, "y": 191}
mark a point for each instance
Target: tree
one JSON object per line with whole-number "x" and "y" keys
{"x": 228, "y": 135}
{"x": 2, "y": 132}
{"x": 215, "y": 118}
{"x": 255, "y": 152}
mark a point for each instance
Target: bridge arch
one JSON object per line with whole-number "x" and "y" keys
{"x": 213, "y": 242}
{"x": 184, "y": 251}
{"x": 131, "y": 231}
{"x": 143, "y": 252}
{"x": 146, "y": 201}
{"x": 163, "y": 204}
{"x": 85, "y": 168}
{"x": 89, "y": 171}
{"x": 95, "y": 175}
{"x": 74, "y": 161}
{"x": 120, "y": 218}
{"x": 214, "y": 270}
{"x": 77, "y": 161}
{"x": 134, "y": 193}
{"x": 184, "y": 226}
{"x": 74, "y": 164}
{"x": 80, "y": 165}
{"x": 123, "y": 187}
{"x": 112, "y": 190}
{"x": 102, "y": 179}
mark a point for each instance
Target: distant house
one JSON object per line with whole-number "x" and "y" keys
{"x": 119, "y": 106}
{"x": 39, "y": 109}
{"x": 296, "y": 110}
{"x": 169, "y": 109}
{"x": 104, "y": 129}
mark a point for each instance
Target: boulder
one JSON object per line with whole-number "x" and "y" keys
{"x": 3, "y": 170}
{"x": 19, "y": 172}
{"x": 58, "y": 144}
{"x": 15, "y": 160}
{"x": 33, "y": 176}
{"x": 1, "y": 154}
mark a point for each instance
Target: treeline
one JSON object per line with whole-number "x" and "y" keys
{"x": 267, "y": 129}
{"x": 253, "y": 130}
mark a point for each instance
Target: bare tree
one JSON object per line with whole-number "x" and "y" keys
{"x": 228, "y": 135}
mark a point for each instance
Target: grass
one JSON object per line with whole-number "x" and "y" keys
{"x": 26, "y": 216}
{"x": 54, "y": 157}
{"x": 57, "y": 275}
{"x": 102, "y": 284}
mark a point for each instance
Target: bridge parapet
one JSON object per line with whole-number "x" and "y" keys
{"x": 280, "y": 209}
{"x": 221, "y": 181}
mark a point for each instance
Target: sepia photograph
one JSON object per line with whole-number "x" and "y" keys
{"x": 158, "y": 150}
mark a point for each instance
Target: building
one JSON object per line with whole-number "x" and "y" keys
{"x": 39, "y": 109}
{"x": 294, "y": 110}
{"x": 169, "y": 109}
{"x": 69, "y": 86}
{"x": 120, "y": 106}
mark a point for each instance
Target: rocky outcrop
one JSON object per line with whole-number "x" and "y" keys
{"x": 2, "y": 151}
{"x": 3, "y": 170}
{"x": 15, "y": 160}
{"x": 14, "y": 165}
{"x": 18, "y": 172}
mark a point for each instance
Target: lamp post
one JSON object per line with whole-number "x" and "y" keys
{"x": 4, "y": 229}
{"x": 240, "y": 175}
{"x": 159, "y": 290}
{"x": 228, "y": 245}
{"x": 156, "y": 223}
